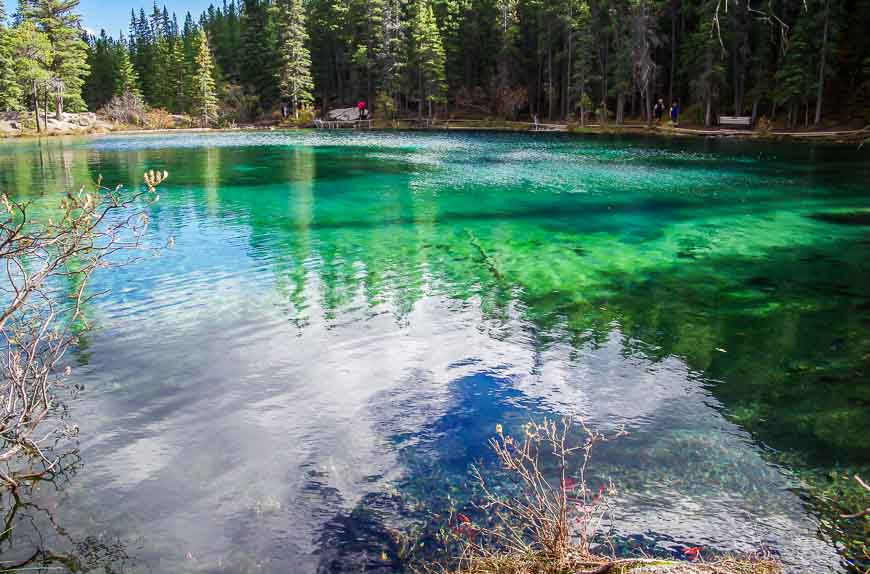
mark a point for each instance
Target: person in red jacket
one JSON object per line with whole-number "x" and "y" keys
{"x": 361, "y": 108}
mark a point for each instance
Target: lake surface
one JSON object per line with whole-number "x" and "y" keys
{"x": 344, "y": 318}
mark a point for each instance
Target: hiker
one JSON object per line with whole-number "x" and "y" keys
{"x": 285, "y": 111}
{"x": 361, "y": 109}
{"x": 658, "y": 110}
{"x": 675, "y": 112}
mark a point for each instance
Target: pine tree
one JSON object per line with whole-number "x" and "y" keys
{"x": 390, "y": 54}
{"x": 259, "y": 58}
{"x": 295, "y": 72}
{"x": 31, "y": 50}
{"x": 126, "y": 78}
{"x": 203, "y": 99}
{"x": 178, "y": 74}
{"x": 330, "y": 50}
{"x": 796, "y": 77}
{"x": 453, "y": 14}
{"x": 10, "y": 91}
{"x": 429, "y": 55}
{"x": 583, "y": 50}
{"x": 69, "y": 67}
{"x": 101, "y": 60}
{"x": 234, "y": 43}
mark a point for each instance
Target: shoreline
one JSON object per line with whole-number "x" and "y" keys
{"x": 835, "y": 136}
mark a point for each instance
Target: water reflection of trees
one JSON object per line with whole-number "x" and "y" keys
{"x": 776, "y": 331}
{"x": 33, "y": 539}
{"x": 789, "y": 335}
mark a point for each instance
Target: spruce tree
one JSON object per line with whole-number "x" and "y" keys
{"x": 101, "y": 60}
{"x": 126, "y": 78}
{"x": 178, "y": 73}
{"x": 796, "y": 77}
{"x": 259, "y": 52}
{"x": 203, "y": 99}
{"x": 389, "y": 52}
{"x": 429, "y": 54}
{"x": 453, "y": 14}
{"x": 10, "y": 91}
{"x": 294, "y": 75}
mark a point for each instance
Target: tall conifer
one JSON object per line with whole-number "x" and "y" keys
{"x": 294, "y": 75}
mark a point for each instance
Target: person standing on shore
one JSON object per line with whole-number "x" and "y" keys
{"x": 659, "y": 110}
{"x": 675, "y": 113}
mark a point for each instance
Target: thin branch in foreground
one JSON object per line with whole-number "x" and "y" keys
{"x": 48, "y": 265}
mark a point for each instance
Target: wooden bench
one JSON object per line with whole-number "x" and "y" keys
{"x": 740, "y": 121}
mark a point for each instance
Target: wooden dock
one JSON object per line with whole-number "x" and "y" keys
{"x": 342, "y": 124}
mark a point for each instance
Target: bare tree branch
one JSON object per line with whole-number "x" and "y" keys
{"x": 48, "y": 266}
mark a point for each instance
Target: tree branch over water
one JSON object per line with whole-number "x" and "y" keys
{"x": 48, "y": 263}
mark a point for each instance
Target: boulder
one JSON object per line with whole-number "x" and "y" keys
{"x": 343, "y": 114}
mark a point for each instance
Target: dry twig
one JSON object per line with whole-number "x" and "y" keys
{"x": 48, "y": 264}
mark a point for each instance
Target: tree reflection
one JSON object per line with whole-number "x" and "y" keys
{"x": 33, "y": 539}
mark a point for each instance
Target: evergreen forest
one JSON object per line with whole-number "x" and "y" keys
{"x": 800, "y": 63}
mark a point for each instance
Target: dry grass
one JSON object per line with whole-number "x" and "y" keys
{"x": 578, "y": 563}
{"x": 551, "y": 522}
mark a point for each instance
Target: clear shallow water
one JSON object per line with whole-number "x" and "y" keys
{"x": 344, "y": 318}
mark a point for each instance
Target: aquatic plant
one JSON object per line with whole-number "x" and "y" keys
{"x": 48, "y": 263}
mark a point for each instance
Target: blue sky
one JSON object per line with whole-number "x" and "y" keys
{"x": 114, "y": 15}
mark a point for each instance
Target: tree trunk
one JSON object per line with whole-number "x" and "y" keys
{"x": 708, "y": 90}
{"x": 566, "y": 98}
{"x": 550, "y": 83}
{"x": 674, "y": 11}
{"x": 649, "y": 104}
{"x": 58, "y": 102}
{"x": 821, "y": 89}
{"x": 708, "y": 112}
{"x": 620, "y": 108}
{"x": 36, "y": 106}
{"x": 420, "y": 89}
{"x": 603, "y": 62}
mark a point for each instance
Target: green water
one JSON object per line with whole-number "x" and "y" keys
{"x": 344, "y": 318}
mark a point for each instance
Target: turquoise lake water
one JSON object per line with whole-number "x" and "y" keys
{"x": 343, "y": 319}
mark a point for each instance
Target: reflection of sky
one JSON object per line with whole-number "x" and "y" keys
{"x": 249, "y": 436}
{"x": 249, "y": 390}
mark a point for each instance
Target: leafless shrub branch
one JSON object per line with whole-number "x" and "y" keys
{"x": 48, "y": 264}
{"x": 552, "y": 511}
